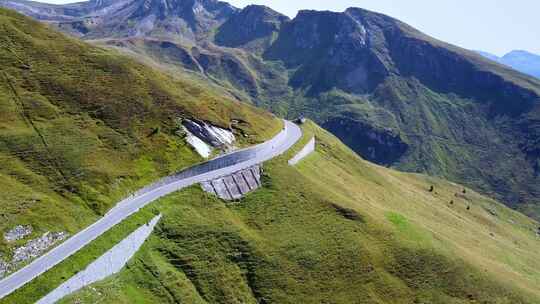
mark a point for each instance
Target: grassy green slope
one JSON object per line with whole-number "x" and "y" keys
{"x": 81, "y": 126}
{"x": 334, "y": 229}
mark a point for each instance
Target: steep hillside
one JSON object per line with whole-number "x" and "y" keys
{"x": 358, "y": 233}
{"x": 82, "y": 127}
{"x": 396, "y": 96}
{"x": 255, "y": 27}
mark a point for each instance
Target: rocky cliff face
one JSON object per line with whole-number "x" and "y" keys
{"x": 329, "y": 50}
{"x": 393, "y": 94}
{"x": 97, "y": 19}
{"x": 382, "y": 146}
{"x": 252, "y": 28}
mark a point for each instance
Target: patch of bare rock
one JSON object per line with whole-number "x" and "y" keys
{"x": 30, "y": 250}
{"x": 17, "y": 233}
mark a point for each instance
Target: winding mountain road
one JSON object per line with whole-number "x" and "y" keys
{"x": 212, "y": 169}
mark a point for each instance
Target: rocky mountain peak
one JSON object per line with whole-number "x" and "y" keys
{"x": 520, "y": 53}
{"x": 325, "y": 29}
{"x": 254, "y": 22}
{"x": 334, "y": 48}
{"x": 184, "y": 8}
{"x": 261, "y": 13}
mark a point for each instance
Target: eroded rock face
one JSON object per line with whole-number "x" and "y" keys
{"x": 184, "y": 19}
{"x": 382, "y": 146}
{"x": 200, "y": 146}
{"x": 329, "y": 50}
{"x": 215, "y": 136}
{"x": 253, "y": 23}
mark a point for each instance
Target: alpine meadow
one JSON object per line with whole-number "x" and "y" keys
{"x": 333, "y": 157}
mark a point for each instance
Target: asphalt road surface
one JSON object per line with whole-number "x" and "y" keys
{"x": 215, "y": 168}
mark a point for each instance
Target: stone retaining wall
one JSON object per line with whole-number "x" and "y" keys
{"x": 236, "y": 185}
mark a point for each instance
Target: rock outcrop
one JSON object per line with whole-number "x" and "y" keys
{"x": 19, "y": 232}
{"x": 30, "y": 250}
{"x": 251, "y": 28}
{"x": 36, "y": 247}
{"x": 175, "y": 19}
{"x": 205, "y": 137}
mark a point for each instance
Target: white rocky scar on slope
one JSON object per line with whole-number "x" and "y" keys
{"x": 200, "y": 146}
{"x": 204, "y": 138}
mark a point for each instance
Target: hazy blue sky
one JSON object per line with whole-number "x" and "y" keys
{"x": 496, "y": 26}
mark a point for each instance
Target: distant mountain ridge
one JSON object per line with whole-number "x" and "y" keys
{"x": 172, "y": 19}
{"x": 393, "y": 94}
{"x": 523, "y": 61}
